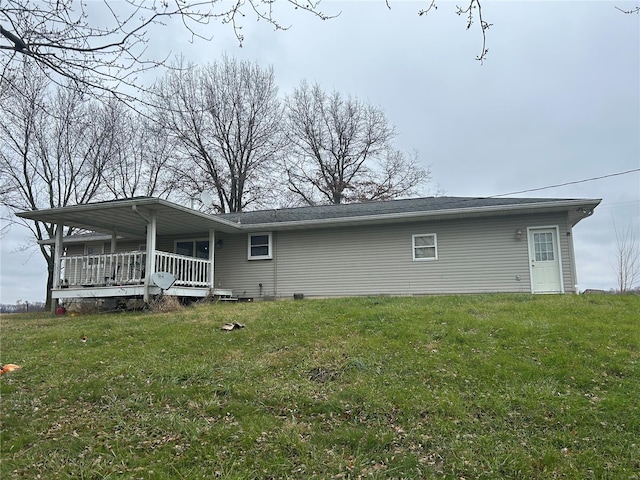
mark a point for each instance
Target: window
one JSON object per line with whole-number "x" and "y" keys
{"x": 193, "y": 248}
{"x": 425, "y": 247}
{"x": 95, "y": 249}
{"x": 543, "y": 246}
{"x": 92, "y": 251}
{"x": 259, "y": 246}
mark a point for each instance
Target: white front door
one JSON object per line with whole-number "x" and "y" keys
{"x": 544, "y": 257}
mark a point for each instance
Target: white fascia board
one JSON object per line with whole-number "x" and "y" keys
{"x": 53, "y": 215}
{"x": 38, "y": 214}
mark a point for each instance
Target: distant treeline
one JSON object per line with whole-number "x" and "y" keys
{"x": 22, "y": 307}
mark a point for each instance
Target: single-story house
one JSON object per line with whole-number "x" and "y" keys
{"x": 418, "y": 246}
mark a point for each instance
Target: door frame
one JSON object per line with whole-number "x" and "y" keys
{"x": 556, "y": 229}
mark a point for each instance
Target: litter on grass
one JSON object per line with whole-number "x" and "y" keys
{"x": 231, "y": 326}
{"x": 9, "y": 367}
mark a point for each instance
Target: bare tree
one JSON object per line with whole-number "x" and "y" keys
{"x": 397, "y": 175}
{"x": 630, "y": 11}
{"x": 472, "y": 11}
{"x": 342, "y": 152}
{"x": 627, "y": 258}
{"x": 225, "y": 119}
{"x": 142, "y": 158}
{"x": 54, "y": 148}
{"x": 103, "y": 45}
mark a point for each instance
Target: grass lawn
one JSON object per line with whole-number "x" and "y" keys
{"x": 489, "y": 386}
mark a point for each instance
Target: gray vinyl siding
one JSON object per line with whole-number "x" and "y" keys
{"x": 75, "y": 249}
{"x": 474, "y": 255}
{"x": 379, "y": 260}
{"x": 233, "y": 269}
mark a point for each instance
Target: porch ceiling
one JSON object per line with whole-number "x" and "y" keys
{"x": 130, "y": 217}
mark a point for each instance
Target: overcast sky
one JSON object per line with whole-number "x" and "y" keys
{"x": 556, "y": 101}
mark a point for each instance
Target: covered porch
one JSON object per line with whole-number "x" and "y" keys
{"x": 124, "y": 274}
{"x": 118, "y": 273}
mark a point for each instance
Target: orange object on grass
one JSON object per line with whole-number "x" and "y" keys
{"x": 9, "y": 367}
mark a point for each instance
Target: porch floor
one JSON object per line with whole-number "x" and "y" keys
{"x": 135, "y": 291}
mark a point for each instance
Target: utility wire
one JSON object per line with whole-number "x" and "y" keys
{"x": 465, "y": 200}
{"x": 567, "y": 183}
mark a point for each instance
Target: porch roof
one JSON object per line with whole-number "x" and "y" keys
{"x": 130, "y": 217}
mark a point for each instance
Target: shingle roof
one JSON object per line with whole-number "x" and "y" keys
{"x": 326, "y": 212}
{"x": 127, "y": 216}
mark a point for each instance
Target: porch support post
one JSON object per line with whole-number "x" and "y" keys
{"x": 151, "y": 255}
{"x": 114, "y": 240}
{"x": 113, "y": 266}
{"x": 57, "y": 255}
{"x": 212, "y": 258}
{"x": 57, "y": 260}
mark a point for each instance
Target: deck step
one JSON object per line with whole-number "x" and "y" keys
{"x": 226, "y": 299}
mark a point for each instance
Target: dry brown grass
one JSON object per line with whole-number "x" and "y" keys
{"x": 165, "y": 304}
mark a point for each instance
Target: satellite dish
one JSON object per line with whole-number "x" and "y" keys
{"x": 206, "y": 199}
{"x": 164, "y": 280}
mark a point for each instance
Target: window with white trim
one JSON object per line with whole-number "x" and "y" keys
{"x": 425, "y": 247}
{"x": 259, "y": 246}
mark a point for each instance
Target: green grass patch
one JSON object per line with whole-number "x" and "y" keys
{"x": 489, "y": 386}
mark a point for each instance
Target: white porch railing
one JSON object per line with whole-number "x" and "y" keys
{"x": 128, "y": 268}
{"x": 189, "y": 271}
{"x": 109, "y": 269}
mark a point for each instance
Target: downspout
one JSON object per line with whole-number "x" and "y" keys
{"x": 275, "y": 264}
{"x": 137, "y": 212}
{"x": 586, "y": 212}
{"x": 572, "y": 254}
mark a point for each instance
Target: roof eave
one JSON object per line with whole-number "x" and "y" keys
{"x": 577, "y": 210}
{"x": 580, "y": 205}
{"x": 49, "y": 215}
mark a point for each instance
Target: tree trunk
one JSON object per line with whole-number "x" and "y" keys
{"x": 50, "y": 303}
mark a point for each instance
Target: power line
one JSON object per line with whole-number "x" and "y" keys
{"x": 567, "y": 183}
{"x": 617, "y": 204}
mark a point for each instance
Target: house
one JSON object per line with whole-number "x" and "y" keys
{"x": 419, "y": 246}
